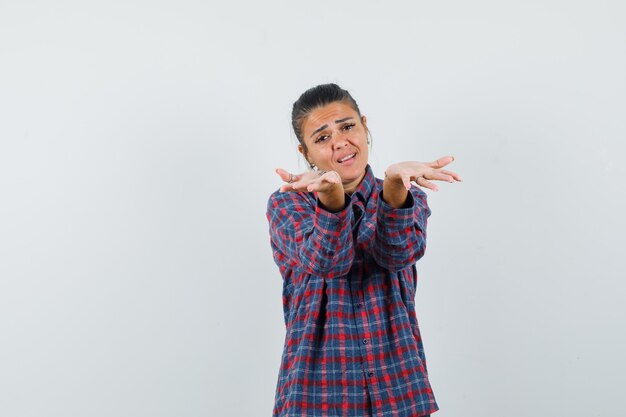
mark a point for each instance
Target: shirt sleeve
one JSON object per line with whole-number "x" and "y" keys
{"x": 400, "y": 238}
{"x": 303, "y": 232}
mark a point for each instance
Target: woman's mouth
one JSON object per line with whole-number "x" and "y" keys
{"x": 348, "y": 159}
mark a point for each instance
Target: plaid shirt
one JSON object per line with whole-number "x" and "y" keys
{"x": 352, "y": 345}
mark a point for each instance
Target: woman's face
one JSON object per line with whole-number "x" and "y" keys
{"x": 336, "y": 140}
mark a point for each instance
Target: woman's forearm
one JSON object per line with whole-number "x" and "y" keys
{"x": 394, "y": 193}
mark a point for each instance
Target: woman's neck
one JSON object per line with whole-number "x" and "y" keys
{"x": 350, "y": 187}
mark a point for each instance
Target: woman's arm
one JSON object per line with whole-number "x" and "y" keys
{"x": 400, "y": 237}
{"x": 311, "y": 235}
{"x": 402, "y": 212}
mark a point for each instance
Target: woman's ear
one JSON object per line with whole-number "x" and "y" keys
{"x": 364, "y": 120}
{"x": 303, "y": 152}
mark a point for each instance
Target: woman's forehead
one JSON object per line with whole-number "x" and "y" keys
{"x": 328, "y": 115}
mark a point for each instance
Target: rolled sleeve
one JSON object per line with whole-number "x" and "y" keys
{"x": 400, "y": 238}
{"x": 304, "y": 233}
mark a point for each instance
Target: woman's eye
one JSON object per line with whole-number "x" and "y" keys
{"x": 348, "y": 126}
{"x": 321, "y": 138}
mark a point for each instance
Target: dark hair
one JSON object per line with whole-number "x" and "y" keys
{"x": 313, "y": 98}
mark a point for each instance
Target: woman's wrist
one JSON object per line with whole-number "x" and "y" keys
{"x": 333, "y": 200}
{"x": 394, "y": 192}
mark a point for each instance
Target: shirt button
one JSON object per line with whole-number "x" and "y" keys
{"x": 365, "y": 341}
{"x": 371, "y": 374}
{"x": 359, "y": 305}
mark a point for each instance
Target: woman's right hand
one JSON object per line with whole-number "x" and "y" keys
{"x": 327, "y": 184}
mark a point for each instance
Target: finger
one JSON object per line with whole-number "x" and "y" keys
{"x": 452, "y": 174}
{"x": 331, "y": 177}
{"x": 327, "y": 178}
{"x": 316, "y": 186}
{"x": 425, "y": 183}
{"x": 297, "y": 185}
{"x": 406, "y": 180}
{"x": 286, "y": 175}
{"x": 301, "y": 184}
{"x": 441, "y": 162}
{"x": 288, "y": 187}
{"x": 439, "y": 176}
{"x": 313, "y": 185}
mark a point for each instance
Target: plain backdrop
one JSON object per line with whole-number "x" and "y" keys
{"x": 138, "y": 142}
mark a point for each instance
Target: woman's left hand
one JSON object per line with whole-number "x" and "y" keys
{"x": 403, "y": 173}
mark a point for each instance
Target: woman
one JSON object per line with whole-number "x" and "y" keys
{"x": 346, "y": 244}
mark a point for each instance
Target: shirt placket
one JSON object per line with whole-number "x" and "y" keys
{"x": 360, "y": 309}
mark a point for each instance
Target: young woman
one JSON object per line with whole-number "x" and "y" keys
{"x": 346, "y": 244}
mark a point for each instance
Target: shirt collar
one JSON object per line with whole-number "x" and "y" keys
{"x": 364, "y": 189}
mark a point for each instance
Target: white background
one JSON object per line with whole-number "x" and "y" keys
{"x": 138, "y": 142}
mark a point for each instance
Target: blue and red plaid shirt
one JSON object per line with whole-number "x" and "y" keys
{"x": 352, "y": 345}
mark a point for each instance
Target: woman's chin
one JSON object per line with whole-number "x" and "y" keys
{"x": 354, "y": 169}
{"x": 352, "y": 173}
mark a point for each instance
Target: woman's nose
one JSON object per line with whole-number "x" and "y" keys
{"x": 341, "y": 142}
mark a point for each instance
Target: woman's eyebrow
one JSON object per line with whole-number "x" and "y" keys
{"x": 325, "y": 126}
{"x": 318, "y": 130}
